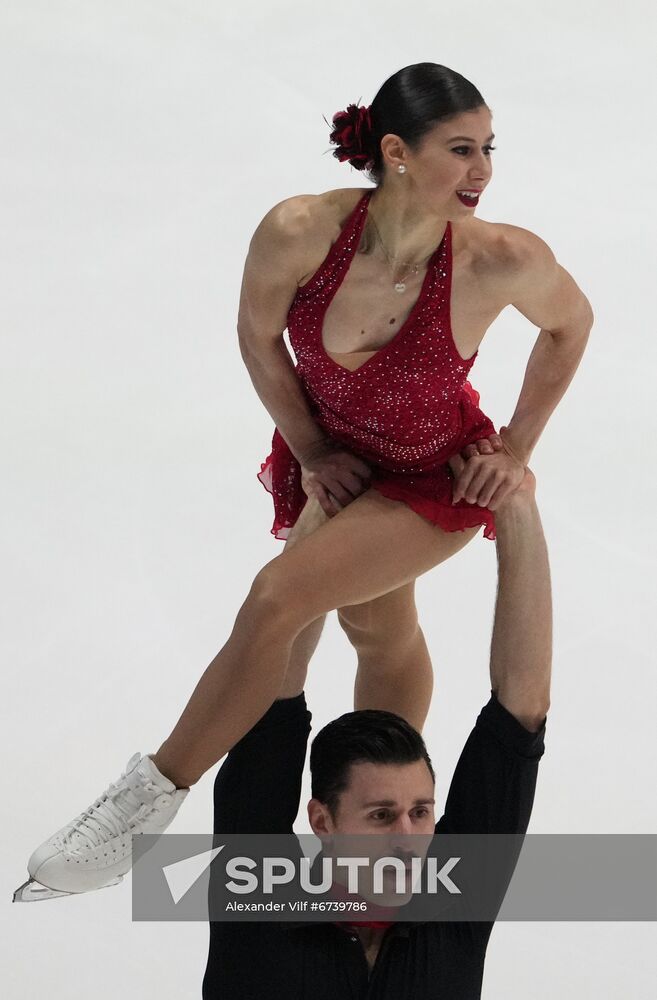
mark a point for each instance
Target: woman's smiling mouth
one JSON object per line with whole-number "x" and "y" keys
{"x": 469, "y": 196}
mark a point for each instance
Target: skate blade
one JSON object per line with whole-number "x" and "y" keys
{"x": 32, "y": 891}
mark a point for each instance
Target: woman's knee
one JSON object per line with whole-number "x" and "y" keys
{"x": 388, "y": 622}
{"x": 276, "y": 595}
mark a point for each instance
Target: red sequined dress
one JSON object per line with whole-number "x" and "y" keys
{"x": 405, "y": 411}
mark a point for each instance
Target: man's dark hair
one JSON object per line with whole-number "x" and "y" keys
{"x": 368, "y": 735}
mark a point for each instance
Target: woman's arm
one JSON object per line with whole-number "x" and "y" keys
{"x": 548, "y": 296}
{"x": 274, "y": 265}
{"x": 277, "y": 259}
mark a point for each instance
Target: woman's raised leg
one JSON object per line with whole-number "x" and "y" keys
{"x": 372, "y": 546}
{"x": 394, "y": 670}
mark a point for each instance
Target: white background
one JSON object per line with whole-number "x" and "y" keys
{"x": 142, "y": 142}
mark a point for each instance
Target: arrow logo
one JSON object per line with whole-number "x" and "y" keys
{"x": 182, "y": 875}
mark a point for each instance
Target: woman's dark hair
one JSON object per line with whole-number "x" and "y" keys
{"x": 367, "y": 735}
{"x": 408, "y": 104}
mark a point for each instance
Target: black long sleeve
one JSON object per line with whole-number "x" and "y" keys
{"x": 258, "y": 787}
{"x": 492, "y": 789}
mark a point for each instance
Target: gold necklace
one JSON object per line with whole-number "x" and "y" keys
{"x": 400, "y": 285}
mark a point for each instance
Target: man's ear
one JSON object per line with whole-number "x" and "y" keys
{"x": 320, "y": 819}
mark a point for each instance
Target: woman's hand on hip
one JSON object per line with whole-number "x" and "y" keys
{"x": 333, "y": 476}
{"x": 487, "y": 472}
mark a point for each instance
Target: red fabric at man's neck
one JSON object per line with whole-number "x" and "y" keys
{"x": 377, "y": 916}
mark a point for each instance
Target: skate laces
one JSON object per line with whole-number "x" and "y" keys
{"x": 112, "y": 814}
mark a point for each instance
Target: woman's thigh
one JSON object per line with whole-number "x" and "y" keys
{"x": 384, "y": 619}
{"x": 373, "y": 546}
{"x": 382, "y": 623}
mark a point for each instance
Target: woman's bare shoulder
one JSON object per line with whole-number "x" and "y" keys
{"x": 304, "y": 214}
{"x": 525, "y": 273}
{"x": 500, "y": 248}
{"x": 306, "y": 225}
{"x": 506, "y": 254}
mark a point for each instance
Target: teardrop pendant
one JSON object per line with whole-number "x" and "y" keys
{"x": 400, "y": 287}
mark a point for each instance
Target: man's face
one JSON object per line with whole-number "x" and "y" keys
{"x": 394, "y": 805}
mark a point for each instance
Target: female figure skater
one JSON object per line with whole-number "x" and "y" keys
{"x": 387, "y": 293}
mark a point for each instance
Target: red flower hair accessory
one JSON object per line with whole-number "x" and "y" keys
{"x": 352, "y": 134}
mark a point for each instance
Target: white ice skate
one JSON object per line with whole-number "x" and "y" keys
{"x": 95, "y": 849}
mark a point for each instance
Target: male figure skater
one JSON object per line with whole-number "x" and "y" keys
{"x": 371, "y": 773}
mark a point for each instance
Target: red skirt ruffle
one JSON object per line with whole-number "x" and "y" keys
{"x": 427, "y": 493}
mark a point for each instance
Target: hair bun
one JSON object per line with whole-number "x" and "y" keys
{"x": 352, "y": 134}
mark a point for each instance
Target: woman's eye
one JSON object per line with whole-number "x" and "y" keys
{"x": 466, "y": 149}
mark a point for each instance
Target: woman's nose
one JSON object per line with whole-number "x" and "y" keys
{"x": 481, "y": 168}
